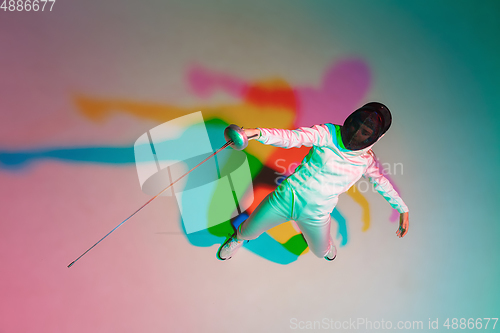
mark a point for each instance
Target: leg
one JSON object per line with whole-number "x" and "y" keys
{"x": 268, "y": 214}
{"x": 272, "y": 211}
{"x": 317, "y": 235}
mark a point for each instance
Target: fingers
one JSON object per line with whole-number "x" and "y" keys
{"x": 401, "y": 232}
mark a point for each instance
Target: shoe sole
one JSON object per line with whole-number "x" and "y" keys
{"x": 218, "y": 254}
{"x": 219, "y": 257}
{"x": 220, "y": 248}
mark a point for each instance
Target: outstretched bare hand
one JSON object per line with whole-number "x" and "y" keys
{"x": 404, "y": 223}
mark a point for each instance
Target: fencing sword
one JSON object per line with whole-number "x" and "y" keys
{"x": 235, "y": 137}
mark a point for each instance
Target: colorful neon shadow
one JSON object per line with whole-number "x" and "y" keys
{"x": 274, "y": 95}
{"x": 273, "y": 103}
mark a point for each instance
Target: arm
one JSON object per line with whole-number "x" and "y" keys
{"x": 385, "y": 188}
{"x": 317, "y": 135}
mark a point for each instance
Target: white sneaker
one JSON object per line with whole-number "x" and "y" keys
{"x": 229, "y": 247}
{"x": 332, "y": 253}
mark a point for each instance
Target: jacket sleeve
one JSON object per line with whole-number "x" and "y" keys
{"x": 317, "y": 135}
{"x": 384, "y": 187}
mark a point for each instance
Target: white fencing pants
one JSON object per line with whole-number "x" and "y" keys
{"x": 277, "y": 208}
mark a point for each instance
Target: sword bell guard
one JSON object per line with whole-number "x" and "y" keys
{"x": 238, "y": 137}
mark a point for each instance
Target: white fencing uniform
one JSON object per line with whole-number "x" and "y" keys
{"x": 310, "y": 194}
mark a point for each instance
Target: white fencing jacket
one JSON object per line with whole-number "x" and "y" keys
{"x": 328, "y": 170}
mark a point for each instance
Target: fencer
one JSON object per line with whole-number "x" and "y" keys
{"x": 338, "y": 158}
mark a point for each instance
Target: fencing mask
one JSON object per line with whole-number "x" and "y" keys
{"x": 365, "y": 126}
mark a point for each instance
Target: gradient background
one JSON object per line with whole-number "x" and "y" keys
{"x": 434, "y": 63}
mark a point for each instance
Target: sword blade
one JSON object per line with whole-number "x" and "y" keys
{"x": 147, "y": 203}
